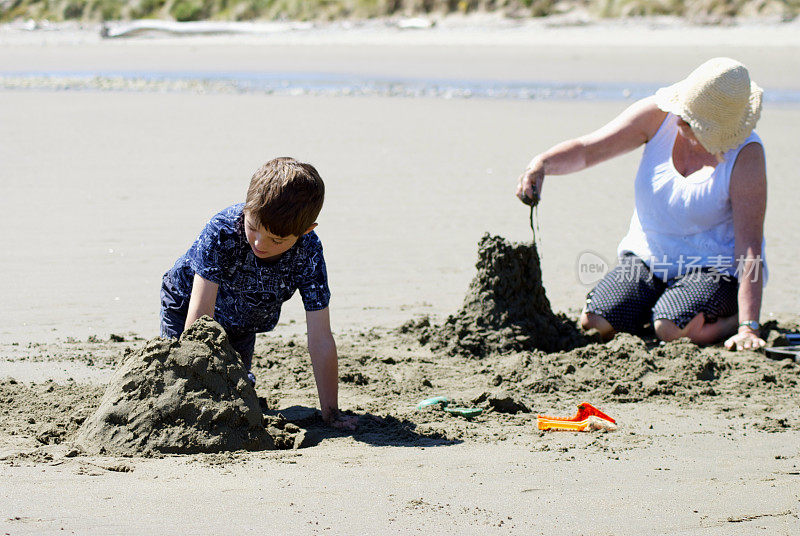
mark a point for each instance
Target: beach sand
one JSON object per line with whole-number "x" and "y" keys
{"x": 103, "y": 190}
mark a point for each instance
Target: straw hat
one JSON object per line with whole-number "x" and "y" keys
{"x": 718, "y": 100}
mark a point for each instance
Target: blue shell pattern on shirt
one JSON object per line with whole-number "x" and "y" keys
{"x": 251, "y": 291}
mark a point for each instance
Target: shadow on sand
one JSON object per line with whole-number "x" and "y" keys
{"x": 372, "y": 429}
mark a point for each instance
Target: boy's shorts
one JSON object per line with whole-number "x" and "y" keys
{"x": 629, "y": 297}
{"x": 174, "y": 309}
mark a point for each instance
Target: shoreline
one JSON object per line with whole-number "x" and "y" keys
{"x": 647, "y": 53}
{"x": 321, "y": 84}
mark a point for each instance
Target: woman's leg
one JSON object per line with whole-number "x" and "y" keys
{"x": 622, "y": 300}
{"x": 701, "y": 306}
{"x": 698, "y": 330}
{"x": 597, "y": 322}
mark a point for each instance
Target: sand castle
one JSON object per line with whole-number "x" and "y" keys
{"x": 505, "y": 309}
{"x": 186, "y": 396}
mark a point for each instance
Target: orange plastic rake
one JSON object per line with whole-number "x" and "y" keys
{"x": 587, "y": 418}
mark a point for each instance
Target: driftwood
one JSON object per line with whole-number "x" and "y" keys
{"x": 146, "y": 27}
{"x": 140, "y": 27}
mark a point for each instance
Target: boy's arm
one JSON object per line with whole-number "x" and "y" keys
{"x": 202, "y": 300}
{"x": 325, "y": 362}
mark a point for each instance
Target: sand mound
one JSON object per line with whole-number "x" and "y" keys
{"x": 505, "y": 309}
{"x": 185, "y": 396}
{"x": 632, "y": 369}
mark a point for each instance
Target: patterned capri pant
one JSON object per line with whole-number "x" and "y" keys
{"x": 629, "y": 297}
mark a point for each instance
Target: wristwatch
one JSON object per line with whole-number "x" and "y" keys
{"x": 752, "y": 324}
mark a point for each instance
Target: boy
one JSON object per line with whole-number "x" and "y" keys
{"x": 248, "y": 260}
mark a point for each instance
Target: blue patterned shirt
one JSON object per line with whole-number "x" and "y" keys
{"x": 251, "y": 290}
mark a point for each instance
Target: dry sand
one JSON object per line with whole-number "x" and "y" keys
{"x": 102, "y": 190}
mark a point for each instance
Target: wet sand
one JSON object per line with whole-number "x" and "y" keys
{"x": 103, "y": 190}
{"x": 707, "y": 444}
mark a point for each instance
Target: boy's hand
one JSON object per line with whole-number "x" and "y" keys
{"x": 340, "y": 421}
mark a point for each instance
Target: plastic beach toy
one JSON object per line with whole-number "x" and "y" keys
{"x": 784, "y": 352}
{"x": 443, "y": 403}
{"x": 587, "y": 418}
{"x": 437, "y": 400}
{"x": 464, "y": 412}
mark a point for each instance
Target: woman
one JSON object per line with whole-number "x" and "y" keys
{"x": 692, "y": 261}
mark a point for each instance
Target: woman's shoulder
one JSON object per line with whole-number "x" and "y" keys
{"x": 749, "y": 158}
{"x": 647, "y": 108}
{"x": 748, "y": 167}
{"x": 749, "y": 152}
{"x": 644, "y": 117}
{"x": 753, "y": 138}
{"x": 654, "y": 118}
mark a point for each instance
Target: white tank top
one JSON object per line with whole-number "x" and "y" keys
{"x": 682, "y": 222}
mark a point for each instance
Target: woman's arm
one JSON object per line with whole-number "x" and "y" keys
{"x": 630, "y": 129}
{"x": 202, "y": 300}
{"x": 748, "y": 191}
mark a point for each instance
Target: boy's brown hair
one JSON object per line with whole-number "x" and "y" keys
{"x": 285, "y": 196}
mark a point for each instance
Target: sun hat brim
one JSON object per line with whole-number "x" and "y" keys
{"x": 715, "y": 138}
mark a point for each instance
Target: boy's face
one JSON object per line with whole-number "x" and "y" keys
{"x": 264, "y": 244}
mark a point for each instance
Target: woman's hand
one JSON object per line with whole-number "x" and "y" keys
{"x": 745, "y": 340}
{"x": 529, "y": 186}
